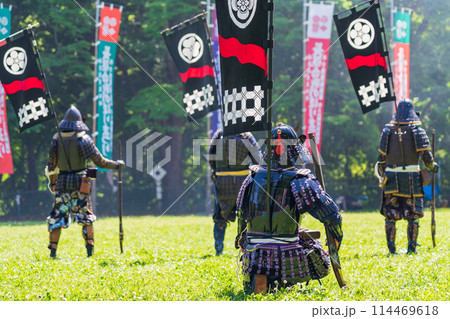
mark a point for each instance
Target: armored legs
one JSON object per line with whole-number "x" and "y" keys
{"x": 54, "y": 239}
{"x": 219, "y": 236}
{"x": 396, "y": 208}
{"x": 390, "y": 235}
{"x": 88, "y": 235}
{"x": 412, "y": 233}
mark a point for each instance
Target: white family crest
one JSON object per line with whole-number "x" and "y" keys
{"x": 199, "y": 100}
{"x": 374, "y": 91}
{"x": 33, "y": 111}
{"x": 190, "y": 48}
{"x": 108, "y": 26}
{"x": 243, "y": 104}
{"x": 360, "y": 34}
{"x": 15, "y": 60}
{"x": 3, "y": 23}
{"x": 242, "y": 11}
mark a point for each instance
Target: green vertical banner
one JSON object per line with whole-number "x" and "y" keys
{"x": 402, "y": 33}
{"x": 5, "y": 21}
{"x": 402, "y": 26}
{"x": 105, "y": 90}
{"x": 106, "y": 56}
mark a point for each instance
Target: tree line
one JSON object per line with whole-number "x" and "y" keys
{"x": 350, "y": 140}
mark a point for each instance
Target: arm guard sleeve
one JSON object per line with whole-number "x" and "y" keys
{"x": 427, "y": 158}
{"x": 242, "y": 208}
{"x": 52, "y": 158}
{"x": 310, "y": 197}
{"x": 384, "y": 141}
{"x": 89, "y": 151}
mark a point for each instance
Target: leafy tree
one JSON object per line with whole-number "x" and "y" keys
{"x": 144, "y": 70}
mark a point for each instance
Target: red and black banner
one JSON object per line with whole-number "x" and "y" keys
{"x": 363, "y": 42}
{"x": 243, "y": 34}
{"x": 189, "y": 47}
{"x": 23, "y": 81}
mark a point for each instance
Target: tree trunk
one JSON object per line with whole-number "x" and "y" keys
{"x": 32, "y": 178}
{"x": 173, "y": 182}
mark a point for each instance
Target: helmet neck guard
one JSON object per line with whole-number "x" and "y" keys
{"x": 287, "y": 149}
{"x": 73, "y": 121}
{"x": 406, "y": 114}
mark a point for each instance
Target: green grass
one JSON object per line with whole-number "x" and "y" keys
{"x": 174, "y": 260}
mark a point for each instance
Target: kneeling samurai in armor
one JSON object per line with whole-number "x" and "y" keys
{"x": 70, "y": 180}
{"x": 275, "y": 248}
{"x": 402, "y": 182}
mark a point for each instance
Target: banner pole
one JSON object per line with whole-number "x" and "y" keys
{"x": 305, "y": 24}
{"x": 208, "y": 126}
{"x": 433, "y": 196}
{"x": 269, "y": 103}
{"x": 47, "y": 90}
{"x": 94, "y": 99}
{"x": 391, "y": 43}
{"x": 393, "y": 88}
{"x": 219, "y": 93}
{"x": 120, "y": 201}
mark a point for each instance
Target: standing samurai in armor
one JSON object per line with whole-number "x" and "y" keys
{"x": 276, "y": 249}
{"x": 229, "y": 170}
{"x": 402, "y": 186}
{"x": 72, "y": 184}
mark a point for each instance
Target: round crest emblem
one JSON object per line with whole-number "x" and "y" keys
{"x": 360, "y": 34}
{"x": 190, "y": 48}
{"x": 15, "y": 60}
{"x": 242, "y": 11}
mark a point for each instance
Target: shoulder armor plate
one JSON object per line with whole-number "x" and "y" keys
{"x": 303, "y": 172}
{"x": 421, "y": 139}
{"x": 384, "y": 141}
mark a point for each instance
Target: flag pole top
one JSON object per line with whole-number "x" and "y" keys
{"x": 5, "y": 5}
{"x": 29, "y": 27}
{"x": 110, "y": 5}
{"x": 185, "y": 22}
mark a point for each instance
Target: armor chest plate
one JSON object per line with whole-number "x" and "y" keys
{"x": 283, "y": 219}
{"x": 393, "y": 156}
{"x": 77, "y": 162}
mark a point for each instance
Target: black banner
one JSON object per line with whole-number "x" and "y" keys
{"x": 23, "y": 81}
{"x": 189, "y": 47}
{"x": 243, "y": 33}
{"x": 366, "y": 54}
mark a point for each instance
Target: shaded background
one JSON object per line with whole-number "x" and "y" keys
{"x": 350, "y": 140}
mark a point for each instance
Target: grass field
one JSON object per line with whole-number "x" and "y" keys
{"x": 174, "y": 260}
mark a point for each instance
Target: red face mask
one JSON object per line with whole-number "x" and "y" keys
{"x": 279, "y": 143}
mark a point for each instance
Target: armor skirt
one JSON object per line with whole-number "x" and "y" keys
{"x": 68, "y": 204}
{"x": 292, "y": 263}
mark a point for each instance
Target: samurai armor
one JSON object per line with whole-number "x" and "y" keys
{"x": 299, "y": 262}
{"x": 231, "y": 169}
{"x": 66, "y": 205}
